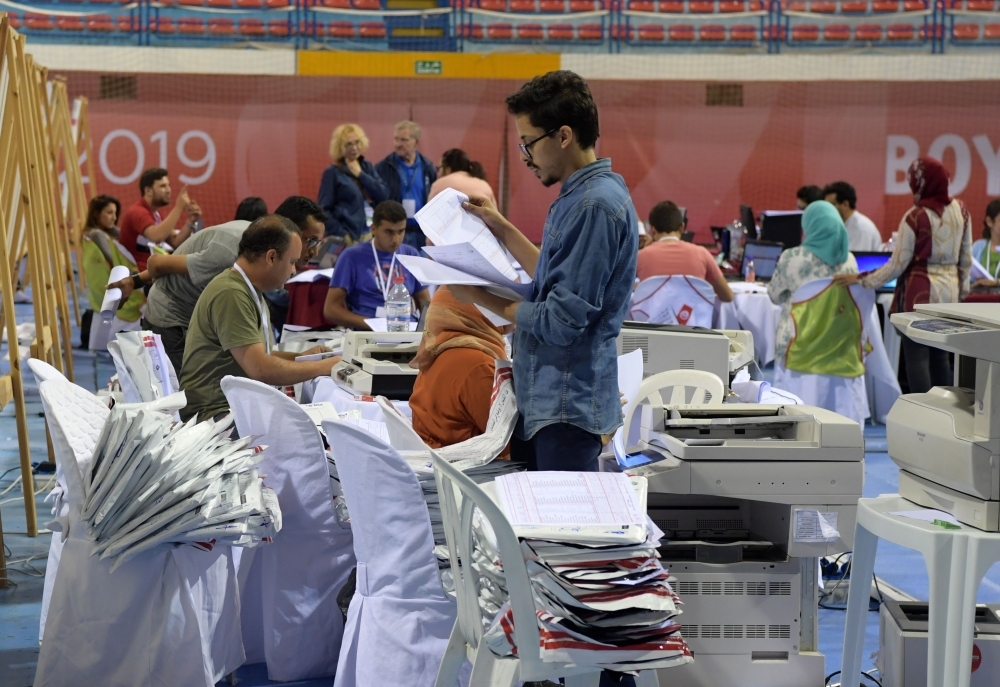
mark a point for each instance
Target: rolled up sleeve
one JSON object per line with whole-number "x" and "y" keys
{"x": 576, "y": 278}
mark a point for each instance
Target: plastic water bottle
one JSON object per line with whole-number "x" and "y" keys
{"x": 397, "y": 307}
{"x": 751, "y": 273}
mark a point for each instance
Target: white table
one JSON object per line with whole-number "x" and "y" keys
{"x": 323, "y": 389}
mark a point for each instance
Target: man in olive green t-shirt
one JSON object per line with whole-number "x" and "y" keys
{"x": 229, "y": 333}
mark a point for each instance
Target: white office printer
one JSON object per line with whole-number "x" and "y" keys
{"x": 749, "y": 497}
{"x": 677, "y": 347}
{"x": 947, "y": 441}
{"x": 378, "y": 363}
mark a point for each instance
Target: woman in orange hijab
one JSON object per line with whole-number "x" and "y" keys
{"x": 451, "y": 396}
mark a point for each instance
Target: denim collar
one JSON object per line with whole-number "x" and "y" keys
{"x": 602, "y": 164}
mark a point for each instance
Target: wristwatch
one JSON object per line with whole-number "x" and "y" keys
{"x": 137, "y": 281}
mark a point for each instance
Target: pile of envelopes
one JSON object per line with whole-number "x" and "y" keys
{"x": 153, "y": 481}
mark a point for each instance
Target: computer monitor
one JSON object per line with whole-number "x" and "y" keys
{"x": 687, "y": 236}
{"x": 872, "y": 261}
{"x": 721, "y": 236}
{"x": 784, "y": 227}
{"x": 748, "y": 222}
{"x": 765, "y": 257}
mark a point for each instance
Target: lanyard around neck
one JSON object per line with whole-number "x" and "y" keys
{"x": 381, "y": 281}
{"x": 260, "y": 305}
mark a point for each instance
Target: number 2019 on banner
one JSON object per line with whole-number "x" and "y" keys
{"x": 205, "y": 164}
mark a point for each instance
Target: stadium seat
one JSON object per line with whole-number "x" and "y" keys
{"x": 885, "y": 6}
{"x": 276, "y": 4}
{"x": 681, "y": 33}
{"x": 836, "y": 33}
{"x": 914, "y": 5}
{"x": 279, "y": 28}
{"x": 927, "y": 32}
{"x": 190, "y": 26}
{"x": 590, "y": 32}
{"x": 712, "y": 33}
{"x": 38, "y": 22}
{"x": 318, "y": 29}
{"x": 221, "y": 27}
{"x": 553, "y": 6}
{"x": 701, "y": 7}
{"x": 530, "y": 32}
{"x": 652, "y": 33}
{"x": 221, "y": 4}
{"x": 980, "y": 5}
{"x": 730, "y": 6}
{"x": 473, "y": 31}
{"x": 777, "y": 33}
{"x": 560, "y": 32}
{"x": 500, "y": 32}
{"x": 743, "y": 33}
{"x": 337, "y": 4}
{"x": 795, "y": 6}
{"x": 100, "y": 23}
{"x": 493, "y": 5}
{"x": 868, "y": 32}
{"x": 162, "y": 26}
{"x": 900, "y": 32}
{"x": 367, "y": 5}
{"x": 642, "y": 6}
{"x": 805, "y": 33}
{"x": 622, "y": 32}
{"x": 252, "y": 27}
{"x": 671, "y": 6}
{"x": 250, "y": 4}
{"x": 991, "y": 32}
{"x": 70, "y": 23}
{"x": 583, "y": 6}
{"x": 15, "y": 20}
{"x": 127, "y": 23}
{"x": 523, "y": 6}
{"x": 341, "y": 29}
{"x": 371, "y": 29}
{"x": 190, "y": 3}
{"x": 854, "y": 6}
{"x": 823, "y": 7}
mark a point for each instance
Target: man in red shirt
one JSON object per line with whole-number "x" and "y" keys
{"x": 668, "y": 254}
{"x": 143, "y": 225}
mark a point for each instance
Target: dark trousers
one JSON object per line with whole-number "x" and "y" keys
{"x": 925, "y": 366}
{"x": 560, "y": 447}
{"x": 173, "y": 342}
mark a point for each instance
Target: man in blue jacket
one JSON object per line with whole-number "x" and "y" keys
{"x": 408, "y": 176}
{"x": 565, "y": 362}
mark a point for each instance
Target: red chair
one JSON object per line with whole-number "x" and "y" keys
{"x": 777, "y": 33}
{"x": 991, "y": 32}
{"x": 560, "y": 32}
{"x": 493, "y": 5}
{"x": 371, "y": 29}
{"x": 652, "y": 33}
{"x": 523, "y": 6}
{"x": 127, "y": 24}
{"x": 980, "y": 5}
{"x": 473, "y": 31}
{"x": 191, "y": 26}
{"x": 38, "y": 22}
{"x": 887, "y": 6}
{"x": 500, "y": 32}
{"x": 221, "y": 27}
{"x": 854, "y": 6}
{"x": 276, "y": 4}
{"x": 190, "y": 3}
{"x": 900, "y": 32}
{"x": 337, "y": 4}
{"x": 805, "y": 33}
{"x": 583, "y": 6}
{"x": 836, "y": 33}
{"x": 341, "y": 29}
{"x": 162, "y": 25}
{"x": 279, "y": 28}
{"x": 373, "y": 5}
{"x": 252, "y": 27}
{"x": 730, "y": 6}
{"x": 671, "y": 6}
{"x": 250, "y": 4}
{"x": 712, "y": 33}
{"x": 823, "y": 7}
{"x": 101, "y": 23}
{"x": 928, "y": 32}
{"x": 14, "y": 19}
{"x": 590, "y": 32}
{"x": 743, "y": 33}
{"x": 914, "y": 5}
{"x": 622, "y": 32}
{"x": 795, "y": 6}
{"x": 530, "y": 32}
{"x": 868, "y": 32}
{"x": 70, "y": 23}
{"x": 681, "y": 33}
{"x": 642, "y": 5}
{"x": 701, "y": 7}
{"x": 553, "y": 6}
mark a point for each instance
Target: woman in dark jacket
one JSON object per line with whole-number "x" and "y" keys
{"x": 349, "y": 185}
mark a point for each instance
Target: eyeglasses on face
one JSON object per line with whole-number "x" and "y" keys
{"x": 313, "y": 243}
{"x": 526, "y": 147}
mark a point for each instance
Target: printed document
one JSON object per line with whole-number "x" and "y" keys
{"x": 565, "y": 499}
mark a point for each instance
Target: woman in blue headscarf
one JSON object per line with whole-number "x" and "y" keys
{"x": 823, "y": 253}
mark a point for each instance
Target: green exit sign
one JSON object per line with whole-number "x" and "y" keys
{"x": 425, "y": 67}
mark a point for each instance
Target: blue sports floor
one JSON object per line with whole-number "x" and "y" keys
{"x": 20, "y": 605}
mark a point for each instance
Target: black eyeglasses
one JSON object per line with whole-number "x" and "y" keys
{"x": 526, "y": 147}
{"x": 312, "y": 243}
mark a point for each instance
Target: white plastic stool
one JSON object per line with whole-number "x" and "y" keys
{"x": 957, "y": 561}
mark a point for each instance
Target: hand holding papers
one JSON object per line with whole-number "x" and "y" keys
{"x": 113, "y": 297}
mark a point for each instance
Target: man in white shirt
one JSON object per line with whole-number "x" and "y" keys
{"x": 862, "y": 234}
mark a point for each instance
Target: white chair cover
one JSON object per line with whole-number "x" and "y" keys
{"x": 844, "y": 395}
{"x": 675, "y": 299}
{"x": 169, "y": 616}
{"x": 400, "y": 619}
{"x": 290, "y": 615}
{"x": 101, "y": 333}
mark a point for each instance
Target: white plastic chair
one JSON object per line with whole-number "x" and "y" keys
{"x": 708, "y": 389}
{"x": 846, "y": 396}
{"x": 168, "y": 616}
{"x": 460, "y": 497}
{"x": 291, "y": 618}
{"x": 674, "y": 299}
{"x": 43, "y": 371}
{"x": 957, "y": 561}
{"x": 400, "y": 618}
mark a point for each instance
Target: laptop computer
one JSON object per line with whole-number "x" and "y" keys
{"x": 782, "y": 226}
{"x": 765, "y": 256}
{"x": 872, "y": 261}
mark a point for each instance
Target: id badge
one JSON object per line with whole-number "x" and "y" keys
{"x": 380, "y": 312}
{"x": 410, "y": 205}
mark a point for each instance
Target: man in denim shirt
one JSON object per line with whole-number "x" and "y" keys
{"x": 565, "y": 362}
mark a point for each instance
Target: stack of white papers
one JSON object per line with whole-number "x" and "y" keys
{"x": 152, "y": 481}
{"x": 602, "y": 598}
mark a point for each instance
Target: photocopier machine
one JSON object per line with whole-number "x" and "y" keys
{"x": 749, "y": 496}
